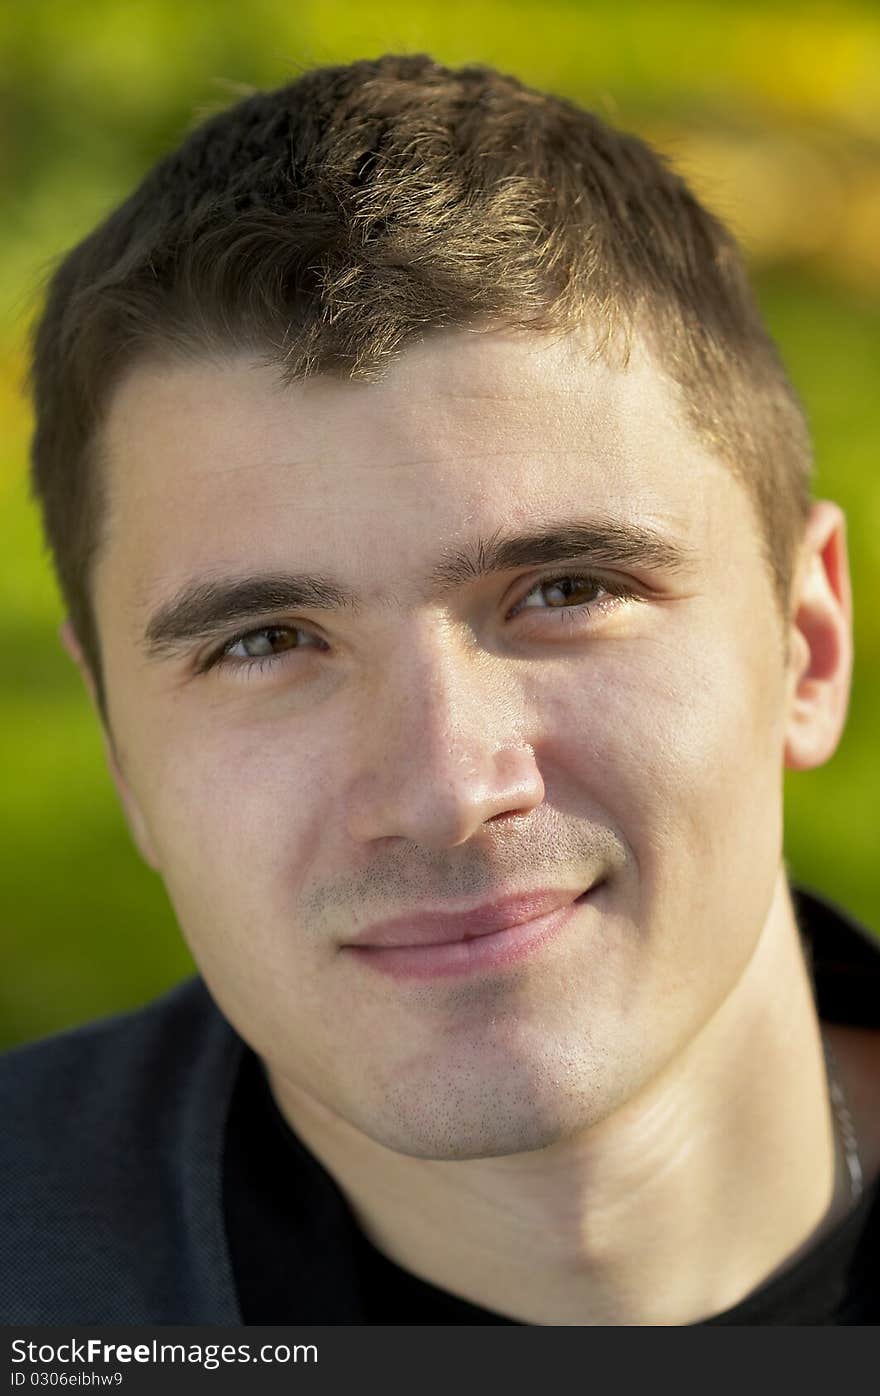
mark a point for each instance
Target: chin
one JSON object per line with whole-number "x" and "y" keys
{"x": 458, "y": 1140}
{"x": 457, "y": 1120}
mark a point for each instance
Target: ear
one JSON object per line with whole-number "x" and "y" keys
{"x": 134, "y": 817}
{"x": 820, "y": 641}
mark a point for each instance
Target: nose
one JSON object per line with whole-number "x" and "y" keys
{"x": 441, "y": 749}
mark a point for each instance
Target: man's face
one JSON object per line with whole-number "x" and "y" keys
{"x": 448, "y": 738}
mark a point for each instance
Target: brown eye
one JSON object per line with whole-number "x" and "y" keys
{"x": 574, "y": 591}
{"x": 258, "y": 644}
{"x": 577, "y": 598}
{"x": 563, "y": 591}
{"x": 264, "y": 647}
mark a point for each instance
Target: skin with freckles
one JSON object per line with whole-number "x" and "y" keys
{"x": 630, "y": 1124}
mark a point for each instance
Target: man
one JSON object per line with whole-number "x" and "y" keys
{"x": 433, "y": 517}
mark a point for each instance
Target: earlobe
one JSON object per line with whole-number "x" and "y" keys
{"x": 134, "y": 817}
{"x": 820, "y": 642}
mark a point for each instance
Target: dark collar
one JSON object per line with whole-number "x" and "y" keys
{"x": 844, "y": 957}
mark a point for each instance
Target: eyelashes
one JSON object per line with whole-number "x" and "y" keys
{"x": 580, "y": 614}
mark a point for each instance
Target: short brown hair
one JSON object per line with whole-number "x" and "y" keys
{"x": 329, "y": 223}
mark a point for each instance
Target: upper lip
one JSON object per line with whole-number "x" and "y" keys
{"x": 443, "y": 927}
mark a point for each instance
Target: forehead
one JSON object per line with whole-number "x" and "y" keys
{"x": 220, "y": 465}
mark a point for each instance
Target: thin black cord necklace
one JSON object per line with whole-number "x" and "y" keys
{"x": 845, "y": 1125}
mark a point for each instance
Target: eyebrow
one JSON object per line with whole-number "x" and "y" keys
{"x": 204, "y": 607}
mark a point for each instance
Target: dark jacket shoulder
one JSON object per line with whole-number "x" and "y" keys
{"x": 111, "y": 1147}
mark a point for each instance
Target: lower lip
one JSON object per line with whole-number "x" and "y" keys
{"x": 489, "y": 952}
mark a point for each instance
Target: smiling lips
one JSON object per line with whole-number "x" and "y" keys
{"x": 492, "y": 936}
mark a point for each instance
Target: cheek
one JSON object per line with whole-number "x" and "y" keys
{"x": 678, "y": 749}
{"x": 237, "y": 818}
{"x": 679, "y": 742}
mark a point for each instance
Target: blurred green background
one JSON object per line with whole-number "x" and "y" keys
{"x": 771, "y": 109}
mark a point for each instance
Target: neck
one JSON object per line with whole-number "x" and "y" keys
{"x": 713, "y": 1179}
